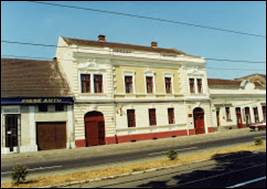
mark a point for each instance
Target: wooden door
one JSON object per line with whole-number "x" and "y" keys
{"x": 51, "y": 135}
{"x": 239, "y": 118}
{"x": 94, "y": 129}
{"x": 11, "y": 133}
{"x": 199, "y": 120}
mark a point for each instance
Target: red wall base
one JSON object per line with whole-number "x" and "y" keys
{"x": 212, "y": 129}
{"x": 139, "y": 137}
{"x": 149, "y": 136}
{"x": 80, "y": 143}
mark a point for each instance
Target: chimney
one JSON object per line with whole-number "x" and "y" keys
{"x": 154, "y": 44}
{"x": 101, "y": 38}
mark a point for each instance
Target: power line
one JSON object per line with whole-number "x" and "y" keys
{"x": 231, "y": 60}
{"x": 149, "y": 18}
{"x": 68, "y": 47}
{"x": 45, "y": 58}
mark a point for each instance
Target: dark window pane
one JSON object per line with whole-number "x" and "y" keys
{"x": 152, "y": 117}
{"x": 168, "y": 84}
{"x": 199, "y": 85}
{"x": 171, "y": 115}
{"x": 42, "y": 108}
{"x": 59, "y": 107}
{"x": 85, "y": 83}
{"x": 131, "y": 118}
{"x": 98, "y": 83}
{"x": 128, "y": 84}
{"x": 149, "y": 84}
{"x": 192, "y": 85}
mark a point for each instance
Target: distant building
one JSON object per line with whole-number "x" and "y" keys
{"x": 236, "y": 103}
{"x": 36, "y": 109}
{"x": 255, "y": 78}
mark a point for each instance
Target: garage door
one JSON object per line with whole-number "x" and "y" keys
{"x": 51, "y": 135}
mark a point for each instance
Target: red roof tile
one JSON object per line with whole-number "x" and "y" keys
{"x": 31, "y": 78}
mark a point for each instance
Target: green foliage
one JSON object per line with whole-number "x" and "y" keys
{"x": 258, "y": 141}
{"x": 19, "y": 173}
{"x": 172, "y": 155}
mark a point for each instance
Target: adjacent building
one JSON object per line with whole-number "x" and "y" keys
{"x": 237, "y": 103}
{"x": 36, "y": 108}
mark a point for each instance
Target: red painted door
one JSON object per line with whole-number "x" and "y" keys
{"x": 239, "y": 118}
{"x": 94, "y": 129}
{"x": 199, "y": 121}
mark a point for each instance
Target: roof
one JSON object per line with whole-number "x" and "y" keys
{"x": 251, "y": 75}
{"x": 214, "y": 82}
{"x": 223, "y": 82}
{"x": 83, "y": 42}
{"x": 31, "y": 78}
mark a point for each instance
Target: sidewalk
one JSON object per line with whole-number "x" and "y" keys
{"x": 66, "y": 154}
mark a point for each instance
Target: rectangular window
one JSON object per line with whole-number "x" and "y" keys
{"x": 131, "y": 118}
{"x": 128, "y": 84}
{"x": 42, "y": 108}
{"x": 171, "y": 115}
{"x": 168, "y": 84}
{"x": 59, "y": 107}
{"x": 149, "y": 84}
{"x": 85, "y": 83}
{"x": 98, "y": 83}
{"x": 192, "y": 85}
{"x": 199, "y": 85}
{"x": 256, "y": 115}
{"x": 228, "y": 115}
{"x": 264, "y": 112}
{"x": 152, "y": 117}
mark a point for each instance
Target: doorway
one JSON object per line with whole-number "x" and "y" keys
{"x": 199, "y": 120}
{"x": 94, "y": 128}
{"x": 11, "y": 131}
{"x": 238, "y": 117}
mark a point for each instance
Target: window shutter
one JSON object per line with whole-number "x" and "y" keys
{"x": 152, "y": 117}
{"x": 171, "y": 115}
{"x": 149, "y": 84}
{"x": 85, "y": 83}
{"x": 192, "y": 85}
{"x": 98, "y": 83}
{"x": 131, "y": 118}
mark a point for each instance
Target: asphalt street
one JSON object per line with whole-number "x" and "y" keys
{"x": 234, "y": 170}
{"x": 71, "y": 164}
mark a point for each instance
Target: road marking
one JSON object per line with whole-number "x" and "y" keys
{"x": 35, "y": 169}
{"x": 247, "y": 182}
{"x": 178, "y": 150}
{"x": 222, "y": 174}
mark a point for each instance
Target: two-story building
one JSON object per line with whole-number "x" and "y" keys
{"x": 126, "y": 93}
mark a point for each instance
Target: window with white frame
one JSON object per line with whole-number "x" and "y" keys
{"x": 192, "y": 85}
{"x": 168, "y": 83}
{"x": 128, "y": 80}
{"x": 149, "y": 83}
{"x": 91, "y": 83}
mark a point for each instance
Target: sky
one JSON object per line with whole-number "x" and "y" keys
{"x": 29, "y": 22}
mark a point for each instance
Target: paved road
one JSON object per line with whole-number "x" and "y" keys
{"x": 236, "y": 170}
{"x": 71, "y": 164}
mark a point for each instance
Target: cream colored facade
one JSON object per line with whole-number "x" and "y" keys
{"x": 113, "y": 103}
{"x": 246, "y": 96}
